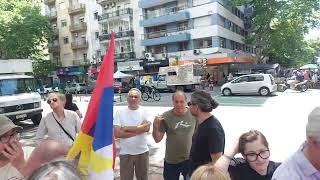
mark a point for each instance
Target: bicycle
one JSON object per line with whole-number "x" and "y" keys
{"x": 150, "y": 93}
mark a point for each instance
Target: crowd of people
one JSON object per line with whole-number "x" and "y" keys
{"x": 195, "y": 144}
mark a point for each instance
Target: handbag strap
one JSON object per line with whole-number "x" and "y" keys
{"x": 66, "y": 132}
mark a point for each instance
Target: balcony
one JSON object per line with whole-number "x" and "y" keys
{"x": 115, "y": 15}
{"x": 165, "y": 16}
{"x": 49, "y": 2}
{"x": 165, "y": 37}
{"x": 81, "y": 62}
{"x": 151, "y": 3}
{"x": 79, "y": 45}
{"x": 53, "y": 47}
{"x": 78, "y": 27}
{"x": 103, "y": 2}
{"x": 52, "y": 15}
{"x": 125, "y": 55}
{"x": 77, "y": 9}
{"x": 122, "y": 34}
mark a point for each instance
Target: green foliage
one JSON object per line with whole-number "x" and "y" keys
{"x": 23, "y": 30}
{"x": 42, "y": 68}
{"x": 278, "y": 29}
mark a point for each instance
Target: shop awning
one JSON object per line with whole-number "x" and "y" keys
{"x": 227, "y": 60}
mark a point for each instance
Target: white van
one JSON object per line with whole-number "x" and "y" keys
{"x": 19, "y": 99}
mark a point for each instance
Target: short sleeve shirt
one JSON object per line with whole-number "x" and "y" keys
{"x": 137, "y": 144}
{"x": 208, "y": 138}
{"x": 179, "y": 130}
{"x": 239, "y": 169}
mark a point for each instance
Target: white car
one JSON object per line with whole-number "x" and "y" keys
{"x": 262, "y": 84}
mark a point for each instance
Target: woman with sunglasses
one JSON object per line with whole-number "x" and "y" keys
{"x": 255, "y": 163}
{"x": 60, "y": 124}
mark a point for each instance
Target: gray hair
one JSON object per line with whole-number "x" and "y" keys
{"x": 204, "y": 101}
{"x": 62, "y": 170}
{"x": 135, "y": 89}
{"x": 177, "y": 92}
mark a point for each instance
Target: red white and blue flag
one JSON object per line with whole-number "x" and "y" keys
{"x": 95, "y": 144}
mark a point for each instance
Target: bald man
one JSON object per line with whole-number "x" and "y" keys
{"x": 179, "y": 124}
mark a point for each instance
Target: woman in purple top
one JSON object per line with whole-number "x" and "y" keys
{"x": 255, "y": 164}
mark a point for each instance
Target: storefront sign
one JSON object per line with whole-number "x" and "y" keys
{"x": 130, "y": 66}
{"x": 157, "y": 63}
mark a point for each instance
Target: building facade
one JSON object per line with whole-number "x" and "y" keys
{"x": 76, "y": 35}
{"x": 122, "y": 17}
{"x": 186, "y": 31}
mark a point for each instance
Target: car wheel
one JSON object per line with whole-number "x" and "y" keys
{"x": 264, "y": 91}
{"x": 36, "y": 119}
{"x": 226, "y": 92}
{"x": 303, "y": 88}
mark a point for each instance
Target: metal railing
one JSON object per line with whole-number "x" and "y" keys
{"x": 125, "y": 55}
{"x": 163, "y": 33}
{"x": 106, "y": 36}
{"x": 117, "y": 13}
{"x": 79, "y": 44}
{"x": 78, "y": 27}
{"x": 164, "y": 11}
{"x": 79, "y": 62}
{"x": 76, "y": 8}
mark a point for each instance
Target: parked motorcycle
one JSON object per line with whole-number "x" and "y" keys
{"x": 301, "y": 86}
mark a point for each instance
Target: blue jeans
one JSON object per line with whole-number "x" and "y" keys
{"x": 172, "y": 171}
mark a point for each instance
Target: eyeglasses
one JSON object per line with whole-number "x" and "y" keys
{"x": 6, "y": 138}
{"x": 251, "y": 157}
{"x": 191, "y": 103}
{"x": 52, "y": 100}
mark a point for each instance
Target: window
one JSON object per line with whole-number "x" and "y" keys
{"x": 97, "y": 35}
{"x": 203, "y": 43}
{"x": 183, "y": 45}
{"x": 255, "y": 78}
{"x": 172, "y": 73}
{"x": 182, "y": 26}
{"x": 95, "y": 15}
{"x": 62, "y": 5}
{"x": 65, "y": 40}
{"x": 85, "y": 56}
{"x": 63, "y": 23}
{"x": 241, "y": 79}
{"x": 223, "y": 42}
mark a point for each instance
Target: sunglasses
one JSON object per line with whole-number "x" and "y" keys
{"x": 52, "y": 100}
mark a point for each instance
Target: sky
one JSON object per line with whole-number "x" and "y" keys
{"x": 313, "y": 34}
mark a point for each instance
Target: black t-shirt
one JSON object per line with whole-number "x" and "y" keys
{"x": 240, "y": 169}
{"x": 71, "y": 106}
{"x": 208, "y": 138}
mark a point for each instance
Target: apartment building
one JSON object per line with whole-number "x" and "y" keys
{"x": 76, "y": 42}
{"x": 122, "y": 17}
{"x": 186, "y": 31}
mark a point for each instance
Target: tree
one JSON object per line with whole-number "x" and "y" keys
{"x": 23, "y": 30}
{"x": 278, "y": 28}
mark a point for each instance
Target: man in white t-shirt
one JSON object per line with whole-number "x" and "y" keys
{"x": 12, "y": 154}
{"x": 131, "y": 125}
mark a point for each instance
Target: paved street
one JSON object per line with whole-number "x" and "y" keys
{"x": 281, "y": 118}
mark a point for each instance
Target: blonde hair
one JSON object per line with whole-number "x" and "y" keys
{"x": 209, "y": 172}
{"x": 61, "y": 96}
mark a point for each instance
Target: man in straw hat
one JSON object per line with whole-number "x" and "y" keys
{"x": 12, "y": 155}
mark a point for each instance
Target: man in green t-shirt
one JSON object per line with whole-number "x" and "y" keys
{"x": 179, "y": 124}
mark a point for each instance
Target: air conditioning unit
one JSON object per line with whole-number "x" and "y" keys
{"x": 149, "y": 56}
{"x": 196, "y": 51}
{"x": 113, "y": 4}
{"x": 76, "y": 34}
{"x": 107, "y": 6}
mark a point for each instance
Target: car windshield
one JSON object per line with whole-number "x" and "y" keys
{"x": 16, "y": 86}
